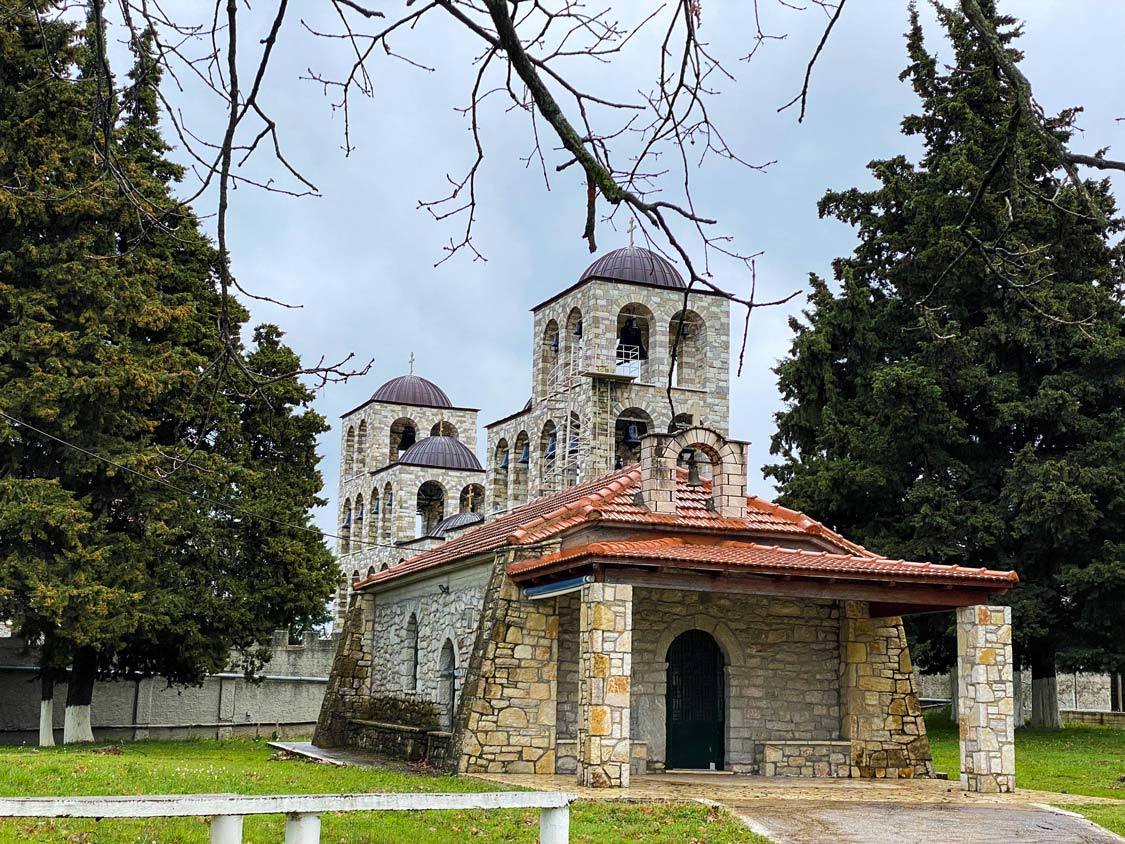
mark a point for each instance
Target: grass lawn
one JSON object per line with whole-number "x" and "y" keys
{"x": 245, "y": 767}
{"x": 1080, "y": 759}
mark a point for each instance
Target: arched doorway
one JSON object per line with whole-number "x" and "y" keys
{"x": 447, "y": 683}
{"x": 696, "y": 705}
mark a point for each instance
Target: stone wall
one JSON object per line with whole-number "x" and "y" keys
{"x": 881, "y": 713}
{"x": 412, "y": 744}
{"x": 782, "y": 667}
{"x": 284, "y": 702}
{"x": 984, "y": 679}
{"x": 509, "y": 724}
{"x": 804, "y": 758}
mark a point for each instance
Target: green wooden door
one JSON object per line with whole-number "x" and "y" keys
{"x": 696, "y": 703}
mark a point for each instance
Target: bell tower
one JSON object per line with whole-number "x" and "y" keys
{"x": 603, "y": 349}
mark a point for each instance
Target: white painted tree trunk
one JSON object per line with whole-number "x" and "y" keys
{"x": 76, "y": 725}
{"x": 47, "y": 722}
{"x": 1045, "y": 702}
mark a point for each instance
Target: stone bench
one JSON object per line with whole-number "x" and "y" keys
{"x": 800, "y": 758}
{"x": 400, "y": 741}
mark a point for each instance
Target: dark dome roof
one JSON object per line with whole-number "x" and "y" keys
{"x": 455, "y": 522}
{"x": 637, "y": 265}
{"x": 441, "y": 453}
{"x": 412, "y": 389}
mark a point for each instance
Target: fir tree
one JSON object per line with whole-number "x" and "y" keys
{"x": 961, "y": 397}
{"x": 111, "y": 360}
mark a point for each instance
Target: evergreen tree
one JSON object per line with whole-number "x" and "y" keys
{"x": 111, "y": 358}
{"x": 961, "y": 397}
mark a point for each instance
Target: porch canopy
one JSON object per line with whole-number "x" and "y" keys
{"x": 708, "y": 563}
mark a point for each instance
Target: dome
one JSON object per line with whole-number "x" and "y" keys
{"x": 636, "y": 265}
{"x": 412, "y": 389}
{"x": 441, "y": 453}
{"x": 457, "y": 521}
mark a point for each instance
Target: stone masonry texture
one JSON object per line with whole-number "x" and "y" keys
{"x": 985, "y": 717}
{"x": 605, "y": 677}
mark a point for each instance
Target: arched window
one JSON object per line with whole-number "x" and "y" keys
{"x": 548, "y": 457}
{"x": 370, "y": 570}
{"x": 384, "y": 566}
{"x": 431, "y": 508}
{"x": 501, "y": 464}
{"x": 472, "y": 499}
{"x": 549, "y": 348}
{"x": 698, "y": 461}
{"x": 411, "y": 679}
{"x": 361, "y": 446}
{"x": 632, "y": 424}
{"x": 634, "y": 329}
{"x": 521, "y": 467}
{"x": 404, "y": 433}
{"x": 687, "y": 335}
{"x": 447, "y": 683}
{"x": 346, "y": 529}
{"x": 349, "y": 452}
{"x": 373, "y": 510}
{"x": 443, "y": 429}
{"x": 386, "y": 517}
{"x": 358, "y": 516}
{"x": 355, "y": 577}
{"x": 572, "y": 338}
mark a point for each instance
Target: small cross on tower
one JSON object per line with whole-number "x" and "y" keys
{"x": 412, "y": 363}
{"x": 632, "y": 228}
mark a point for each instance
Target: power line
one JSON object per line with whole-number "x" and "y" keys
{"x": 222, "y": 505}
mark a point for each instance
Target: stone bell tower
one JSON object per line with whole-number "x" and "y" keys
{"x": 600, "y": 362}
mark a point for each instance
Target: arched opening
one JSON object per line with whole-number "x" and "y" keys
{"x": 443, "y": 429}
{"x": 386, "y": 517}
{"x": 370, "y": 570}
{"x": 548, "y": 456}
{"x": 361, "y": 446}
{"x": 410, "y": 681}
{"x": 634, "y": 328}
{"x": 346, "y": 529}
{"x": 383, "y": 566}
{"x": 549, "y": 349}
{"x": 632, "y": 424}
{"x": 431, "y": 508}
{"x": 501, "y": 465}
{"x": 687, "y": 335}
{"x": 447, "y": 684}
{"x": 355, "y": 577}
{"x": 373, "y": 510}
{"x": 358, "y": 516}
{"x": 521, "y": 467}
{"x": 472, "y": 499}
{"x": 572, "y": 337}
{"x": 699, "y": 461}
{"x": 681, "y": 422}
{"x": 696, "y": 702}
{"x": 404, "y": 433}
{"x": 349, "y": 452}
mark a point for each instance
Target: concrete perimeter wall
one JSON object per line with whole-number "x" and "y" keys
{"x": 285, "y": 702}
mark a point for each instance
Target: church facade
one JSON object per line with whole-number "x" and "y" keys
{"x": 604, "y": 599}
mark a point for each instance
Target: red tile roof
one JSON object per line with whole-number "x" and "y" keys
{"x": 609, "y": 500}
{"x": 755, "y": 558}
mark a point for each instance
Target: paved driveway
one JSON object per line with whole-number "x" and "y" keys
{"x": 936, "y": 823}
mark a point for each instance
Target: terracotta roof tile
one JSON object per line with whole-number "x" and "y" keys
{"x": 752, "y": 556}
{"x": 609, "y": 500}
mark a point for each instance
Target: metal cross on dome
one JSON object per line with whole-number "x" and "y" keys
{"x": 632, "y": 228}
{"x": 412, "y": 363}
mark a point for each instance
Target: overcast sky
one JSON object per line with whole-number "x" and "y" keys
{"x": 360, "y": 258}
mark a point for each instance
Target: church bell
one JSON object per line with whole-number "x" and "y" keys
{"x": 407, "y": 439}
{"x": 578, "y": 328}
{"x": 632, "y": 435}
{"x": 692, "y": 467}
{"x": 504, "y": 462}
{"x": 631, "y": 334}
{"x": 525, "y": 455}
{"x": 552, "y": 444}
{"x": 555, "y": 343}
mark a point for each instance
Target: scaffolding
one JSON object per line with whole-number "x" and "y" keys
{"x": 581, "y": 404}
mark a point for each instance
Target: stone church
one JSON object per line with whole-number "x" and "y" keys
{"x": 603, "y": 598}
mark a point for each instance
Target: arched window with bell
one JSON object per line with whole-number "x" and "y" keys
{"x": 634, "y": 329}
{"x": 631, "y": 425}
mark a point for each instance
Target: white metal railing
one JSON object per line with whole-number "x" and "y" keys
{"x": 302, "y": 811}
{"x": 629, "y": 361}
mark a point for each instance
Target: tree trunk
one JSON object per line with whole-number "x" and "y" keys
{"x": 954, "y": 693}
{"x": 1044, "y": 688}
{"x": 46, "y": 709}
{"x": 1017, "y": 694}
{"x": 79, "y": 693}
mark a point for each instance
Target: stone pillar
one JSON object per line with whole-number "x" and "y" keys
{"x": 605, "y": 665}
{"x": 985, "y": 687}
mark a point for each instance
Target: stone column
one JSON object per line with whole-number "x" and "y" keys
{"x": 986, "y": 707}
{"x": 605, "y": 665}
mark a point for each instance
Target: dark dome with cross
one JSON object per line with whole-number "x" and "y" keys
{"x": 635, "y": 265}
{"x": 441, "y": 453}
{"x": 412, "y": 389}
